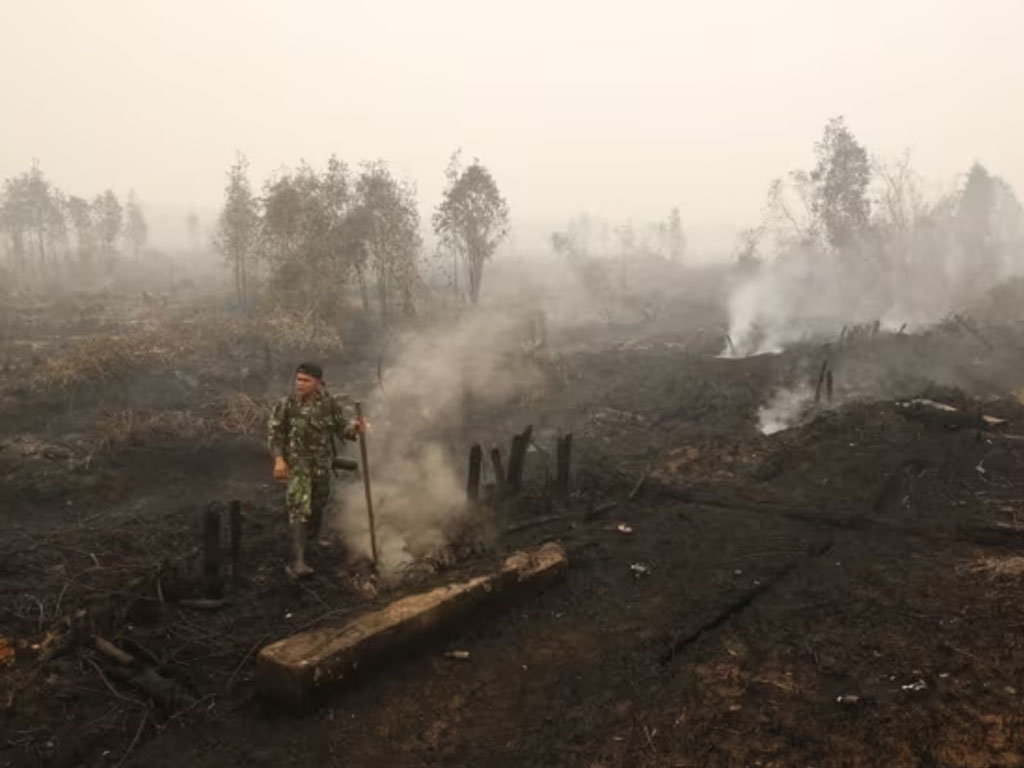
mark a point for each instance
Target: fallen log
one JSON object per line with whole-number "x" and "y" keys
{"x": 932, "y": 412}
{"x": 292, "y": 671}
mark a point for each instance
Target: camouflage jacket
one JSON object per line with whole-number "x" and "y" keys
{"x": 301, "y": 431}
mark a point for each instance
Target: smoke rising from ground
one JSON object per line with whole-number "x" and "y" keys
{"x": 418, "y": 474}
{"x": 854, "y": 242}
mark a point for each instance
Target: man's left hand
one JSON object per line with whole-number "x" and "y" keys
{"x": 358, "y": 427}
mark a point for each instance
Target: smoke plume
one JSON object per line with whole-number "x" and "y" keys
{"x": 416, "y": 446}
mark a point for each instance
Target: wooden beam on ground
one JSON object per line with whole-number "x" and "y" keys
{"x": 292, "y": 671}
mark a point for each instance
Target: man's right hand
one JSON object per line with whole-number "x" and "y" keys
{"x": 280, "y": 468}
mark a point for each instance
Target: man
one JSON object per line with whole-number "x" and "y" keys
{"x": 302, "y": 429}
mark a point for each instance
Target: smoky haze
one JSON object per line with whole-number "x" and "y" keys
{"x": 574, "y": 106}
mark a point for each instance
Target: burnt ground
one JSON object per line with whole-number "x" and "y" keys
{"x": 842, "y": 593}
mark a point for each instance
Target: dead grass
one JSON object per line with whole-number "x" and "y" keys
{"x": 120, "y": 428}
{"x": 92, "y": 360}
{"x": 1011, "y": 566}
{"x": 244, "y": 415}
{"x": 289, "y": 331}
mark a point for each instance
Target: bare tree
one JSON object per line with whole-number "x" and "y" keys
{"x": 841, "y": 177}
{"x": 135, "y": 229}
{"x": 676, "y": 236}
{"x": 81, "y": 223}
{"x": 192, "y": 226}
{"x": 388, "y": 219}
{"x": 472, "y": 220}
{"x": 108, "y": 220}
{"x": 238, "y": 227}
{"x": 303, "y": 236}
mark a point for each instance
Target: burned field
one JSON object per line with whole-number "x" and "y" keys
{"x": 842, "y": 591}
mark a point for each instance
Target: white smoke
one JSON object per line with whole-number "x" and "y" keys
{"x": 785, "y": 408}
{"x": 912, "y": 265}
{"x": 418, "y": 485}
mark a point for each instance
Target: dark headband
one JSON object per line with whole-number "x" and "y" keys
{"x": 310, "y": 369}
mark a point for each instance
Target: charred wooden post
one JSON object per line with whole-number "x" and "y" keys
{"x": 500, "y": 487}
{"x": 515, "y": 462}
{"x": 828, "y": 385}
{"x": 563, "y": 453}
{"x": 211, "y": 550}
{"x": 821, "y": 381}
{"x": 236, "y": 536}
{"x": 517, "y": 459}
{"x": 473, "y": 483}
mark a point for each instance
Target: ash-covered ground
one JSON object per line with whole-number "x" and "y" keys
{"x": 806, "y": 580}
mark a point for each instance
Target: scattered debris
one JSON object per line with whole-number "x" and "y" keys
{"x": 1010, "y": 565}
{"x": 6, "y": 652}
{"x": 462, "y": 655}
{"x": 924, "y": 409}
{"x": 847, "y": 698}
{"x": 543, "y": 520}
{"x": 600, "y": 509}
{"x": 203, "y": 604}
{"x": 639, "y": 482}
{"x": 639, "y": 569}
{"x": 624, "y": 528}
{"x": 917, "y": 685}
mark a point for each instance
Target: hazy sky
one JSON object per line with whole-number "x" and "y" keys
{"x": 622, "y": 109}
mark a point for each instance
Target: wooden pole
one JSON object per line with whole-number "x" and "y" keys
{"x": 211, "y": 550}
{"x": 473, "y": 483}
{"x": 828, "y": 384}
{"x": 499, "y": 472}
{"x": 517, "y": 459}
{"x": 366, "y": 484}
{"x": 236, "y": 536}
{"x": 563, "y": 452}
{"x": 821, "y": 380}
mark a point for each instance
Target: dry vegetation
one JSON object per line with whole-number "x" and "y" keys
{"x": 119, "y": 429}
{"x": 243, "y": 414}
{"x": 94, "y": 360}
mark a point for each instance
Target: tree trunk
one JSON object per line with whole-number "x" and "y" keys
{"x": 364, "y": 290}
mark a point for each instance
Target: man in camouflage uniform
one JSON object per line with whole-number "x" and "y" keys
{"x": 302, "y": 428}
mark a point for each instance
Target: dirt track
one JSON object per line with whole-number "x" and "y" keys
{"x": 863, "y": 555}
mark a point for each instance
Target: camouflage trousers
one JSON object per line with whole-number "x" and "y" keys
{"x": 309, "y": 489}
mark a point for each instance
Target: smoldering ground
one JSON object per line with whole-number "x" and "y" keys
{"x": 416, "y": 412}
{"x": 855, "y": 244}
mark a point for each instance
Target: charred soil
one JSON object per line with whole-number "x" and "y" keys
{"x": 842, "y": 592}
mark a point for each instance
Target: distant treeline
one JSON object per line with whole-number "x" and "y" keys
{"x": 853, "y": 207}
{"x": 309, "y": 234}
{"x": 44, "y": 227}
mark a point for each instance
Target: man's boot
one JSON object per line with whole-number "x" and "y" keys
{"x": 298, "y": 568}
{"x": 313, "y": 526}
